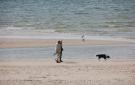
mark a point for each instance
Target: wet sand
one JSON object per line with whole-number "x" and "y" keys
{"x": 15, "y": 42}
{"x": 70, "y": 72}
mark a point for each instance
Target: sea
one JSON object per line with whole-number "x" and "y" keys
{"x": 114, "y": 18}
{"x": 68, "y": 19}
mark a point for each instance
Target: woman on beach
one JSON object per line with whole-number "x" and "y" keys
{"x": 59, "y": 50}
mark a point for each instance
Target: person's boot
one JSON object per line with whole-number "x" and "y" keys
{"x": 61, "y": 61}
{"x": 57, "y": 60}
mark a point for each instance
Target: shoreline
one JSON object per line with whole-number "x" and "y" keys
{"x": 45, "y": 71}
{"x": 19, "y": 42}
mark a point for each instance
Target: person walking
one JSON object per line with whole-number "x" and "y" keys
{"x": 61, "y": 51}
{"x": 58, "y": 52}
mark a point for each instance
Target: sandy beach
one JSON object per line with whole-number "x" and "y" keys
{"x": 16, "y": 42}
{"x": 30, "y": 31}
{"x": 70, "y": 72}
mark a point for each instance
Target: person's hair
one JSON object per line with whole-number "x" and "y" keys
{"x": 59, "y": 42}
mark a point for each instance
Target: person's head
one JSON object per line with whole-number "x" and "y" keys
{"x": 59, "y": 42}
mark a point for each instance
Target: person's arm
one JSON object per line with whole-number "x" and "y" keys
{"x": 62, "y": 49}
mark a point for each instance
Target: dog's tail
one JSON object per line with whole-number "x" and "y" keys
{"x": 97, "y": 55}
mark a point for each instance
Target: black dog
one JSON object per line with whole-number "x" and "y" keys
{"x": 104, "y": 56}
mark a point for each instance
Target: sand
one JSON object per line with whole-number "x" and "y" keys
{"x": 15, "y": 42}
{"x": 70, "y": 72}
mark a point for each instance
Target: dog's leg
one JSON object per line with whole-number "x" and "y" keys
{"x": 98, "y": 58}
{"x": 105, "y": 58}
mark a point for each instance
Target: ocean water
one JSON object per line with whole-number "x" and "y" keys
{"x": 92, "y": 17}
{"x": 125, "y": 51}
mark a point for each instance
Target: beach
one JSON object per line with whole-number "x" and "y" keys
{"x": 76, "y": 71}
{"x": 18, "y": 42}
{"x": 30, "y": 29}
{"x": 70, "y": 72}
